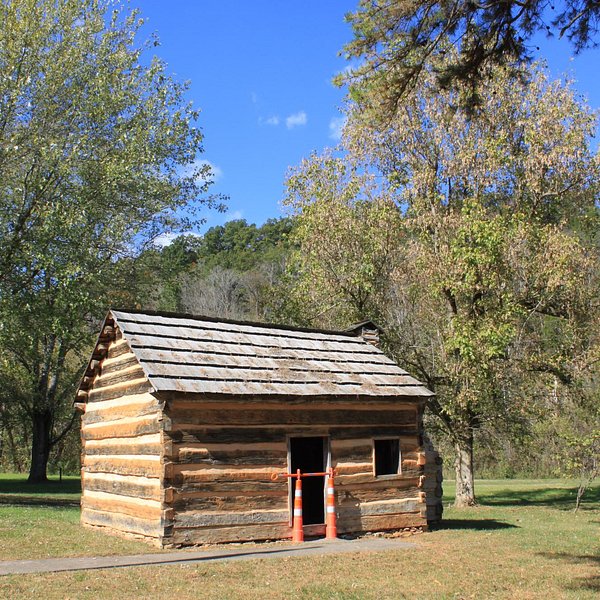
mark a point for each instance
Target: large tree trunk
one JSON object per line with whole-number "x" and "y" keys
{"x": 465, "y": 491}
{"x": 40, "y": 447}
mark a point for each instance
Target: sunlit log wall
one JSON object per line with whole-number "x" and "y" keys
{"x": 122, "y": 445}
{"x": 220, "y": 457}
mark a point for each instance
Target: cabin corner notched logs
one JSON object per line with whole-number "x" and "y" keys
{"x": 186, "y": 418}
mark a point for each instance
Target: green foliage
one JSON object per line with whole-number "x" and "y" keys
{"x": 487, "y": 285}
{"x": 241, "y": 246}
{"x": 97, "y": 148}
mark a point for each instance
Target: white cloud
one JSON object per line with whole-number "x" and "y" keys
{"x": 296, "y": 120}
{"x": 205, "y": 171}
{"x": 164, "y": 239}
{"x": 336, "y": 125}
{"x": 273, "y": 120}
{"x": 235, "y": 215}
{"x": 254, "y": 97}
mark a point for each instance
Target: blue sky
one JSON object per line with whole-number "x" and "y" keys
{"x": 261, "y": 73}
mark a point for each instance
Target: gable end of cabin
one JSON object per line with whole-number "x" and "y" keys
{"x": 122, "y": 457}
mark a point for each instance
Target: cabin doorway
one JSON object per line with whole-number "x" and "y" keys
{"x": 309, "y": 454}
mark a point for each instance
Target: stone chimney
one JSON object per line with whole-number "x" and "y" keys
{"x": 368, "y": 331}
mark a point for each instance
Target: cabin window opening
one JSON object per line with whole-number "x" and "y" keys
{"x": 387, "y": 457}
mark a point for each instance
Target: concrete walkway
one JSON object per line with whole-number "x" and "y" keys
{"x": 312, "y": 548}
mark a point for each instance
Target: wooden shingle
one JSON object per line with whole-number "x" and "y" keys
{"x": 201, "y": 355}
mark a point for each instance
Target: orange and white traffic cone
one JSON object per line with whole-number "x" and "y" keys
{"x": 331, "y": 522}
{"x": 298, "y": 530}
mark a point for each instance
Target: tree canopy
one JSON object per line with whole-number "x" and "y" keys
{"x": 97, "y": 152}
{"x": 490, "y": 255}
{"x": 398, "y": 40}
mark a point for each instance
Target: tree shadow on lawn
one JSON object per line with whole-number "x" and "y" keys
{"x": 591, "y": 583}
{"x": 51, "y": 493}
{"x": 560, "y": 498}
{"x": 473, "y": 524}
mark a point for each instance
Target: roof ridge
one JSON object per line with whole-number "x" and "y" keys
{"x": 266, "y": 324}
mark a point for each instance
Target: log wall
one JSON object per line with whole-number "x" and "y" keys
{"x": 122, "y": 448}
{"x": 219, "y": 458}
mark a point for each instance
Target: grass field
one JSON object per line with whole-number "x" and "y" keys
{"x": 522, "y": 541}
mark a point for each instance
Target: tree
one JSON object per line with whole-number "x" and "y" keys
{"x": 97, "y": 147}
{"x": 237, "y": 265}
{"x": 399, "y": 40}
{"x": 494, "y": 274}
{"x": 347, "y": 231}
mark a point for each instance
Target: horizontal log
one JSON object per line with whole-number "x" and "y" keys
{"x": 360, "y": 453}
{"x": 350, "y": 468}
{"x": 219, "y": 535}
{"x": 187, "y": 473}
{"x": 128, "y": 427}
{"x": 351, "y": 481}
{"x": 132, "y": 410}
{"x": 240, "y": 502}
{"x": 190, "y": 418}
{"x": 279, "y": 433}
{"x": 210, "y": 535}
{"x": 117, "y": 348}
{"x": 111, "y": 379}
{"x": 150, "y": 444}
{"x": 136, "y": 386}
{"x": 381, "y": 522}
{"x": 127, "y": 524}
{"x": 123, "y": 361}
{"x": 124, "y": 485}
{"x": 380, "y": 507}
{"x": 145, "y": 466}
{"x": 190, "y": 401}
{"x": 186, "y": 403}
{"x": 366, "y": 494}
{"x": 135, "y": 507}
{"x": 124, "y": 406}
{"x": 257, "y": 447}
{"x": 262, "y": 485}
{"x": 231, "y": 456}
{"x": 229, "y": 518}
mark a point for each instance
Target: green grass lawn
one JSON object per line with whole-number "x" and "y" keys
{"x": 522, "y": 541}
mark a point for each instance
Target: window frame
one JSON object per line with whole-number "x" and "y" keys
{"x": 374, "y": 456}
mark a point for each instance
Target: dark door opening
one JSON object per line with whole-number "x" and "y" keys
{"x": 308, "y": 455}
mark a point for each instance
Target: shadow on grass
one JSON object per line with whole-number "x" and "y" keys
{"x": 560, "y": 498}
{"x": 18, "y": 485}
{"x": 14, "y": 500}
{"x": 473, "y": 524}
{"x": 587, "y": 583}
{"x": 591, "y": 583}
{"x": 51, "y": 493}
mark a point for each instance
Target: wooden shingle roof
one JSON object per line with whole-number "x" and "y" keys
{"x": 192, "y": 354}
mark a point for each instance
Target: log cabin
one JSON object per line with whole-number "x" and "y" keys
{"x": 185, "y": 420}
